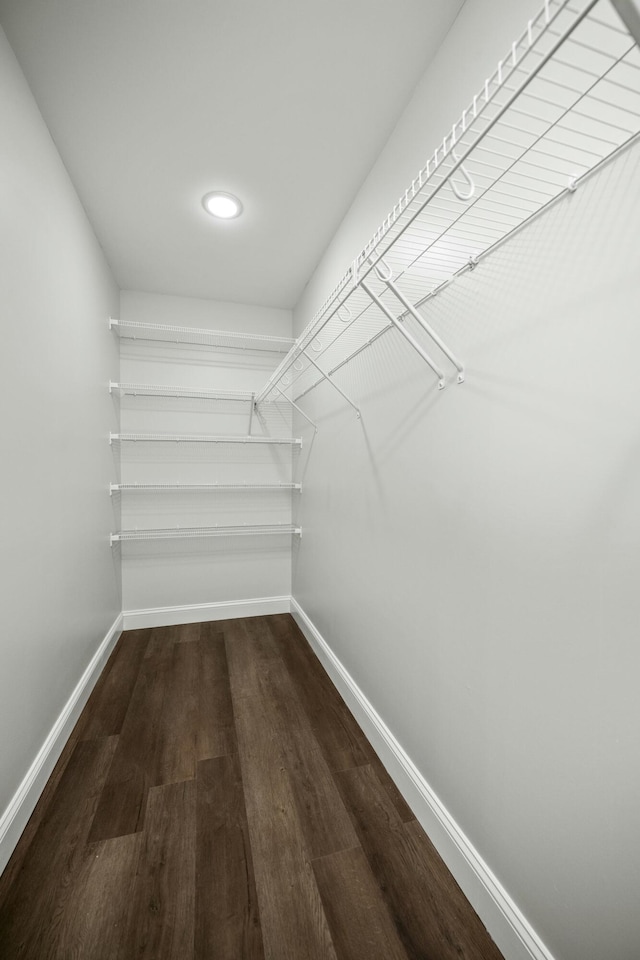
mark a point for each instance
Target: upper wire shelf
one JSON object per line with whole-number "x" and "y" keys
{"x": 223, "y": 339}
{"x": 198, "y": 487}
{"x": 190, "y": 533}
{"x": 165, "y": 390}
{"x": 564, "y": 100}
{"x": 199, "y": 438}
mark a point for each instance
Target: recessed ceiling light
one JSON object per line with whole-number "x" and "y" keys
{"x": 222, "y": 205}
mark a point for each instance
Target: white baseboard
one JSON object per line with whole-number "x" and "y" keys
{"x": 15, "y": 817}
{"x": 201, "y": 612}
{"x": 505, "y": 922}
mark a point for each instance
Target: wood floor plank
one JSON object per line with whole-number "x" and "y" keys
{"x": 227, "y": 925}
{"x": 188, "y": 632}
{"x": 341, "y": 740}
{"x": 433, "y": 918}
{"x": 109, "y": 701}
{"x": 111, "y": 704}
{"x": 249, "y": 656}
{"x": 13, "y": 868}
{"x": 134, "y": 769}
{"x": 46, "y": 882}
{"x": 97, "y": 920}
{"x": 163, "y": 904}
{"x": 333, "y": 725}
{"x": 215, "y": 732}
{"x": 360, "y": 924}
{"x": 291, "y": 913}
{"x": 458, "y": 914}
{"x": 162, "y": 637}
{"x": 323, "y": 819}
{"x": 177, "y": 725}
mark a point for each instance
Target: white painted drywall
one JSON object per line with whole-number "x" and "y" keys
{"x": 471, "y": 556}
{"x": 60, "y": 581}
{"x": 172, "y": 573}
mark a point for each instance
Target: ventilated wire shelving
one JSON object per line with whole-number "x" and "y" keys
{"x": 200, "y": 487}
{"x": 199, "y": 438}
{"x": 175, "y": 392}
{"x": 564, "y": 100}
{"x": 219, "y": 339}
{"x": 192, "y": 533}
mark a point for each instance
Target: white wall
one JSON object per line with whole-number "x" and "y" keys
{"x": 60, "y": 582}
{"x": 171, "y": 573}
{"x": 471, "y": 555}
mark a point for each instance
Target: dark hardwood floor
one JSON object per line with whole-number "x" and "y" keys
{"x": 217, "y": 801}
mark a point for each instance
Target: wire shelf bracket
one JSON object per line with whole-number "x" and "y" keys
{"x": 329, "y": 379}
{"x": 629, "y": 12}
{"x": 296, "y": 407}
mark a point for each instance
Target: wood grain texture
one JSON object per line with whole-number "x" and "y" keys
{"x": 227, "y": 924}
{"x": 98, "y": 921}
{"x": 321, "y": 814}
{"x": 291, "y": 912}
{"x": 217, "y": 800}
{"x": 140, "y": 747}
{"x": 175, "y": 755}
{"x": 335, "y": 729}
{"x": 361, "y": 926}
{"x": 14, "y": 866}
{"x": 31, "y": 912}
{"x": 429, "y": 910}
{"x": 187, "y": 632}
{"x": 163, "y": 902}
{"x": 215, "y": 731}
{"x": 109, "y": 701}
{"x": 341, "y": 740}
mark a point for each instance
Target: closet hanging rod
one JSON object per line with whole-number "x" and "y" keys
{"x": 190, "y": 533}
{"x": 199, "y": 438}
{"x": 197, "y": 487}
{"x": 536, "y": 158}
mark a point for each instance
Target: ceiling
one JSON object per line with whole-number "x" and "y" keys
{"x": 285, "y": 103}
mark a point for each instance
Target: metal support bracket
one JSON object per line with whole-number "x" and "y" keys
{"x": 405, "y": 333}
{"x": 251, "y": 409}
{"x": 296, "y": 407}
{"x": 629, "y": 13}
{"x": 425, "y": 326}
{"x": 333, "y": 383}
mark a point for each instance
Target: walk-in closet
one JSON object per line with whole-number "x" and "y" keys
{"x": 322, "y": 480}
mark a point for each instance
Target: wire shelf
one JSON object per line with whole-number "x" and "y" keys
{"x": 197, "y": 487}
{"x": 166, "y": 390}
{"x": 198, "y": 438}
{"x": 564, "y": 100}
{"x": 190, "y": 533}
{"x": 222, "y": 339}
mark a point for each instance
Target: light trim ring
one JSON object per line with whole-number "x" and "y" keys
{"x": 222, "y": 205}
